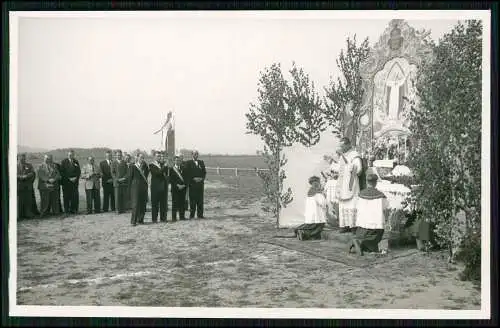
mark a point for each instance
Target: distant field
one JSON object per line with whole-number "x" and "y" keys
{"x": 223, "y": 161}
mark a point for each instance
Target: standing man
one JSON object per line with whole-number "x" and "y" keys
{"x": 178, "y": 187}
{"x": 196, "y": 173}
{"x": 92, "y": 176}
{"x": 107, "y": 183}
{"x": 48, "y": 185}
{"x": 348, "y": 187}
{"x": 119, "y": 172}
{"x": 183, "y": 167}
{"x": 159, "y": 187}
{"x": 25, "y": 179}
{"x": 130, "y": 161}
{"x": 70, "y": 173}
{"x": 59, "y": 189}
{"x": 138, "y": 184}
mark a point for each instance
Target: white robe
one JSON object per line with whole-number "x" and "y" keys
{"x": 331, "y": 190}
{"x": 348, "y": 198}
{"x": 371, "y": 213}
{"x": 315, "y": 209}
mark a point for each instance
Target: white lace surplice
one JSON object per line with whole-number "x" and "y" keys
{"x": 330, "y": 190}
{"x": 371, "y": 213}
{"x": 315, "y": 209}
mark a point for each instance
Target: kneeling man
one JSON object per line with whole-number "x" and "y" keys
{"x": 371, "y": 210}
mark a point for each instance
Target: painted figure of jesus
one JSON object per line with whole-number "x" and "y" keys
{"x": 395, "y": 86}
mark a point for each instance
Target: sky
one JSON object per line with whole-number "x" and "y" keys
{"x": 110, "y": 81}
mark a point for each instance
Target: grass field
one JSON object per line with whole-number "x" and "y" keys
{"x": 221, "y": 261}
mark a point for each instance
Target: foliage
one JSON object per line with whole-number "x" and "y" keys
{"x": 446, "y": 126}
{"x": 347, "y": 93}
{"x": 274, "y": 121}
{"x": 272, "y": 185}
{"x": 303, "y": 100}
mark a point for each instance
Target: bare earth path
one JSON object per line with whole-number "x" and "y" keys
{"x": 215, "y": 262}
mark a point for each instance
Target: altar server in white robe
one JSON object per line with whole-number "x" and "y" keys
{"x": 315, "y": 208}
{"x": 372, "y": 204}
{"x": 348, "y": 184}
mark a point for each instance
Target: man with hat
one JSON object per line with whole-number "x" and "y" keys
{"x": 372, "y": 204}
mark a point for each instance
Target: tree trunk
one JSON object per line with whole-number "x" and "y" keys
{"x": 278, "y": 192}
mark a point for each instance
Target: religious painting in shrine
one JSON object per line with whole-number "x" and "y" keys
{"x": 388, "y": 80}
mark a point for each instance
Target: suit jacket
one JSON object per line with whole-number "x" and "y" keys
{"x": 177, "y": 177}
{"x": 159, "y": 177}
{"x": 92, "y": 175}
{"x": 138, "y": 180}
{"x": 70, "y": 170}
{"x": 106, "y": 171}
{"x": 195, "y": 171}
{"x": 118, "y": 171}
{"x": 46, "y": 172}
{"x": 27, "y": 182}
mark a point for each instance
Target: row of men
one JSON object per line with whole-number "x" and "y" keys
{"x": 122, "y": 190}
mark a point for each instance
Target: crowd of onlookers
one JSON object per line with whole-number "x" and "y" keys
{"x": 124, "y": 181}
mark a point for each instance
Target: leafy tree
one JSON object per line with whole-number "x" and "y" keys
{"x": 304, "y": 101}
{"x": 446, "y": 124}
{"x": 346, "y": 94}
{"x": 274, "y": 121}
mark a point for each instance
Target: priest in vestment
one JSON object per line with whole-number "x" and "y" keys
{"x": 348, "y": 184}
{"x": 371, "y": 217}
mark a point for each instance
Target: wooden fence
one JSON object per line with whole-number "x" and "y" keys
{"x": 235, "y": 171}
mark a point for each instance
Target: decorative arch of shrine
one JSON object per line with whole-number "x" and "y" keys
{"x": 388, "y": 80}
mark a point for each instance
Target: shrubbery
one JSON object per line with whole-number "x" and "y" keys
{"x": 446, "y": 159}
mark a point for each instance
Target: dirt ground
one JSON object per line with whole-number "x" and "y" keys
{"x": 220, "y": 261}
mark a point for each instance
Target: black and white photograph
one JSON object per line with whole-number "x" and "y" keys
{"x": 280, "y": 164}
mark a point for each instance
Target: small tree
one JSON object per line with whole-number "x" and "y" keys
{"x": 273, "y": 120}
{"x": 347, "y": 93}
{"x": 447, "y": 127}
{"x": 304, "y": 101}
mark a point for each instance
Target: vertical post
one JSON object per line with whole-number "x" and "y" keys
{"x": 236, "y": 171}
{"x": 218, "y": 170}
{"x": 257, "y": 171}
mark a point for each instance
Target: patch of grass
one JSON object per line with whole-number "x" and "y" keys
{"x": 453, "y": 307}
{"x": 46, "y": 248}
{"x": 77, "y": 275}
{"x": 415, "y": 290}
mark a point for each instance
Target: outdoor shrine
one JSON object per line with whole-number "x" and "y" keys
{"x": 381, "y": 131}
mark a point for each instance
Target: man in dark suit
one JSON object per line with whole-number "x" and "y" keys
{"x": 70, "y": 174}
{"x": 196, "y": 173}
{"x": 138, "y": 185}
{"x": 178, "y": 187}
{"x": 59, "y": 189}
{"x": 159, "y": 187}
{"x": 120, "y": 173}
{"x": 48, "y": 185}
{"x": 107, "y": 183}
{"x": 25, "y": 179}
{"x": 130, "y": 161}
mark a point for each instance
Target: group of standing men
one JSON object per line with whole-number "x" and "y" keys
{"x": 124, "y": 182}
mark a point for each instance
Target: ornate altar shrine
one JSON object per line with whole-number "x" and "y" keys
{"x": 388, "y": 80}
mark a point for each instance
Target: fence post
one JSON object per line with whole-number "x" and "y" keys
{"x": 218, "y": 170}
{"x": 236, "y": 171}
